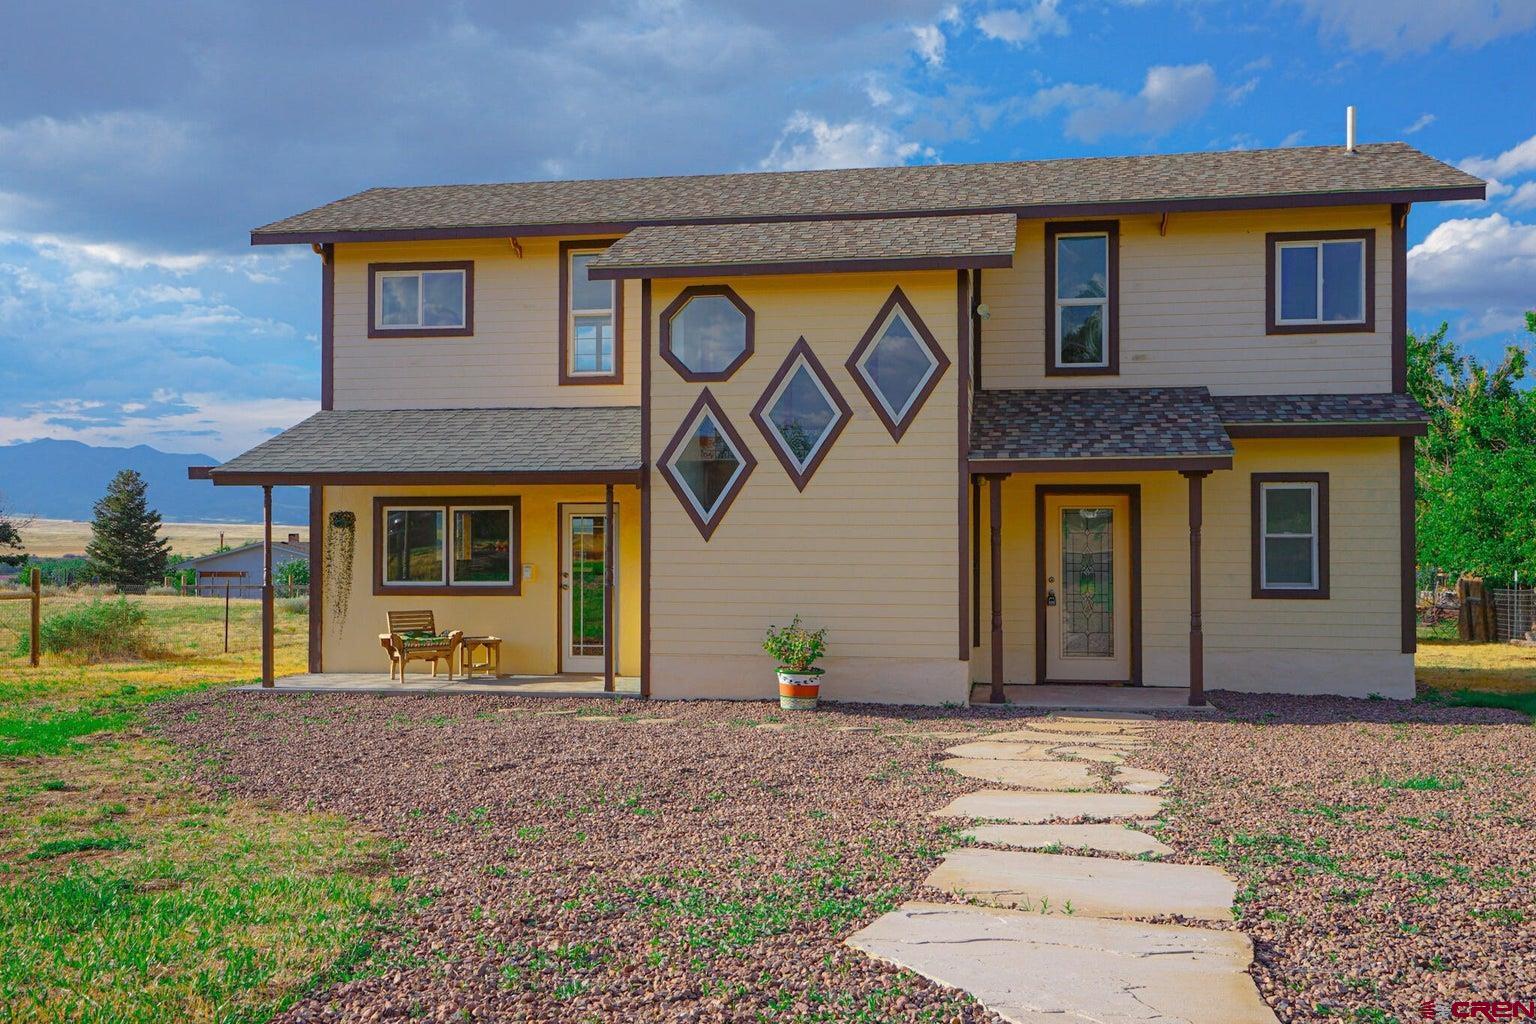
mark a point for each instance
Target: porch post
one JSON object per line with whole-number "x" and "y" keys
{"x": 608, "y": 529}
{"x": 266, "y": 586}
{"x": 995, "y": 515}
{"x": 1196, "y": 635}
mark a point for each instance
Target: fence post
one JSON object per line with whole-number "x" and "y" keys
{"x": 37, "y": 615}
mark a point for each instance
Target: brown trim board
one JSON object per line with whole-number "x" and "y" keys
{"x": 514, "y": 589}
{"x": 1125, "y": 207}
{"x": 897, "y": 300}
{"x": 675, "y": 307}
{"x": 1131, "y": 491}
{"x": 240, "y": 478}
{"x": 1112, "y": 327}
{"x": 1407, "y": 499}
{"x": 646, "y": 475}
{"x": 862, "y": 265}
{"x": 566, "y": 247}
{"x": 1400, "y": 297}
{"x": 1101, "y": 465}
{"x": 770, "y": 433}
{"x": 1271, "y": 270}
{"x": 467, "y": 331}
{"x": 317, "y": 527}
{"x": 328, "y": 327}
{"x": 963, "y": 442}
{"x": 1257, "y": 590}
{"x": 1377, "y": 429}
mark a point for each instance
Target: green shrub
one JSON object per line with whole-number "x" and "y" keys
{"x": 295, "y": 605}
{"x": 796, "y": 648}
{"x": 98, "y": 631}
{"x": 291, "y": 577}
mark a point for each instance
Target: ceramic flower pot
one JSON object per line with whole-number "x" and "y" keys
{"x": 799, "y": 691}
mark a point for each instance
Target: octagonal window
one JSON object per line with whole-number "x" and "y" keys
{"x": 897, "y": 364}
{"x": 706, "y": 332}
{"x": 706, "y": 464}
{"x": 801, "y": 413}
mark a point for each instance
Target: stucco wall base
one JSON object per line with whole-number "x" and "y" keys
{"x": 1311, "y": 672}
{"x": 863, "y": 680}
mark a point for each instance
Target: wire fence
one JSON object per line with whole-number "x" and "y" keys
{"x": 1514, "y": 615}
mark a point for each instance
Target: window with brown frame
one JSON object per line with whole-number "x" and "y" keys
{"x": 1082, "y": 298}
{"x": 707, "y": 332}
{"x": 1320, "y": 282}
{"x": 432, "y": 545}
{"x": 591, "y": 318}
{"x": 1290, "y": 535}
{"x": 897, "y": 364}
{"x": 421, "y": 300}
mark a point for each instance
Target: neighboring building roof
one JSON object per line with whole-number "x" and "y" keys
{"x": 1240, "y": 179}
{"x": 1164, "y": 427}
{"x": 495, "y": 445}
{"x": 1282, "y": 415}
{"x": 299, "y": 550}
{"x": 974, "y": 240}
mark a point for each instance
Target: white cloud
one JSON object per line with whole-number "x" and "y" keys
{"x": 810, "y": 143}
{"x": 1484, "y": 265}
{"x": 122, "y": 143}
{"x": 1513, "y": 162}
{"x": 1395, "y": 27}
{"x": 1170, "y": 96}
{"x": 222, "y": 425}
{"x": 1524, "y": 197}
{"x": 1293, "y": 139}
{"x": 1019, "y": 25}
{"x": 1238, "y": 93}
{"x": 929, "y": 43}
{"x": 1424, "y": 121}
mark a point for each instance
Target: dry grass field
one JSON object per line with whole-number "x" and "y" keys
{"x": 49, "y": 538}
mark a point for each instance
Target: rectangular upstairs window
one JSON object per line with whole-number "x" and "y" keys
{"x": 1290, "y": 543}
{"x": 1082, "y": 264}
{"x": 420, "y": 300}
{"x": 592, "y": 319}
{"x": 1320, "y": 283}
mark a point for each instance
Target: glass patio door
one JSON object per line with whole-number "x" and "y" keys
{"x": 1087, "y": 588}
{"x": 585, "y": 531}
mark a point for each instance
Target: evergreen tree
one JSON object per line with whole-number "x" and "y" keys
{"x": 126, "y": 549}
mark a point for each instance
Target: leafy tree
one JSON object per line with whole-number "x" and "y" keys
{"x": 1476, "y": 469}
{"x": 126, "y": 549}
{"x": 10, "y": 541}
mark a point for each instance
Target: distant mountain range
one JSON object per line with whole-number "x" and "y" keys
{"x": 63, "y": 479}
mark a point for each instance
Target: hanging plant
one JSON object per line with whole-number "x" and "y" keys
{"x": 339, "y": 545}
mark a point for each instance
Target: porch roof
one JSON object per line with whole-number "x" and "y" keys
{"x": 599, "y": 444}
{"x": 1373, "y": 415}
{"x": 1065, "y": 429}
{"x": 825, "y": 246}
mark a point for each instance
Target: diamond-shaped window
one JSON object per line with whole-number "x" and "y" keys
{"x": 897, "y": 364}
{"x": 801, "y": 413}
{"x": 706, "y": 464}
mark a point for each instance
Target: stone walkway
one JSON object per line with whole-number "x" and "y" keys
{"x": 1044, "y": 933}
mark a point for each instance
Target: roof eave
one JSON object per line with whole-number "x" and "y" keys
{"x": 839, "y": 266}
{"x": 310, "y": 478}
{"x": 1448, "y": 193}
{"x": 1099, "y": 464}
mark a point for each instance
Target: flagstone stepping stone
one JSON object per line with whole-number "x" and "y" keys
{"x": 937, "y": 734}
{"x": 1100, "y": 838}
{"x": 651, "y": 721}
{"x": 1038, "y": 969}
{"x": 1036, "y": 736}
{"x": 1053, "y": 775}
{"x": 1089, "y": 886}
{"x": 1090, "y": 728}
{"x": 543, "y": 714}
{"x": 1139, "y": 780}
{"x": 1036, "y": 808}
{"x": 855, "y": 728}
{"x": 1104, "y": 716}
{"x": 1001, "y": 751}
{"x": 1085, "y": 753}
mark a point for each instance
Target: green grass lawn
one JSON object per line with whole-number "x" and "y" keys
{"x": 1477, "y": 675}
{"x": 125, "y": 894}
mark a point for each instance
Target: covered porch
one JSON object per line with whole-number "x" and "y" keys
{"x": 516, "y": 529}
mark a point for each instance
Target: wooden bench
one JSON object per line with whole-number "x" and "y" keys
{"x": 403, "y": 650}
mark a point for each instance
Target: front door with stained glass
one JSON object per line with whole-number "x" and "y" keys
{"x": 582, "y": 593}
{"x": 1087, "y": 588}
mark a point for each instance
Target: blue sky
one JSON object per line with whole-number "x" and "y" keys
{"x": 136, "y": 155}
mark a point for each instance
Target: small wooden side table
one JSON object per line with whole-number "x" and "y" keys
{"x": 489, "y": 662}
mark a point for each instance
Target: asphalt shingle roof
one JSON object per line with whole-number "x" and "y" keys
{"x": 1097, "y": 423}
{"x": 595, "y": 439}
{"x": 1037, "y": 187}
{"x": 978, "y": 239}
{"x": 1320, "y": 409}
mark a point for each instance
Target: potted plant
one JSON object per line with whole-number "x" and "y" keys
{"x": 797, "y": 650}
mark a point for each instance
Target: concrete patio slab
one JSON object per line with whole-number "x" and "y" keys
{"x": 999, "y": 751}
{"x": 1100, "y": 838}
{"x": 1038, "y": 808}
{"x": 1051, "y": 775}
{"x": 1086, "y": 886}
{"x": 1035, "y": 969}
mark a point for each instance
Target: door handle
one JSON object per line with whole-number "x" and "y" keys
{"x": 1050, "y": 598}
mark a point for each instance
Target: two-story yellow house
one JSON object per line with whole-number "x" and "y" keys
{"x": 1137, "y": 421}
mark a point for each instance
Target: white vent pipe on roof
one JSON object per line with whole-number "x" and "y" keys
{"x": 1349, "y": 129}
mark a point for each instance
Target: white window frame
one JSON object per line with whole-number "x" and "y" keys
{"x": 572, "y": 314}
{"x": 444, "y": 547}
{"x": 1100, "y": 301}
{"x": 1264, "y": 534}
{"x": 777, "y": 436}
{"x": 1316, "y": 244}
{"x": 446, "y": 578}
{"x": 708, "y": 516}
{"x": 896, "y": 415}
{"x": 421, "y": 300}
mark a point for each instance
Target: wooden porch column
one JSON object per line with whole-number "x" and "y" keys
{"x": 1196, "y": 635}
{"x": 266, "y": 586}
{"x": 608, "y": 530}
{"x": 995, "y": 532}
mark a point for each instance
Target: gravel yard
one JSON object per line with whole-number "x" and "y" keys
{"x": 705, "y": 868}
